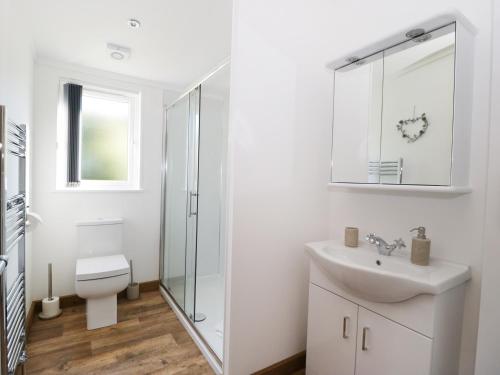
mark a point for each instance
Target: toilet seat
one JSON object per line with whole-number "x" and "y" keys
{"x": 101, "y": 267}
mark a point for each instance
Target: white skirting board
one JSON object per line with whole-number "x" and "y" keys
{"x": 210, "y": 357}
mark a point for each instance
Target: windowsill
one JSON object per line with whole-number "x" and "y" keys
{"x": 101, "y": 190}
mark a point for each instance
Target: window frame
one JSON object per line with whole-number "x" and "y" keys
{"x": 133, "y": 148}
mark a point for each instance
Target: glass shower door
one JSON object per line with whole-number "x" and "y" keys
{"x": 192, "y": 215}
{"x": 210, "y": 251}
{"x": 176, "y": 200}
{"x": 181, "y": 203}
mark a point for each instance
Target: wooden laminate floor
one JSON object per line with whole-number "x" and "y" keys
{"x": 148, "y": 339}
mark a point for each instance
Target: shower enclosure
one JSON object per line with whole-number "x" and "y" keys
{"x": 192, "y": 243}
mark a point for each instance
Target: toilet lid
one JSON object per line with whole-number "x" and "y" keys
{"x": 101, "y": 267}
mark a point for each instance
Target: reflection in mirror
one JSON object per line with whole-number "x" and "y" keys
{"x": 393, "y": 114}
{"x": 417, "y": 120}
{"x": 357, "y": 120}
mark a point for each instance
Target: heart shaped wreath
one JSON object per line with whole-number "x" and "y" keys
{"x": 413, "y": 137}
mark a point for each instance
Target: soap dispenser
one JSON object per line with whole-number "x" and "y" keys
{"x": 420, "y": 247}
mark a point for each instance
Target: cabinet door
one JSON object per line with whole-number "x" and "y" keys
{"x": 388, "y": 348}
{"x": 331, "y": 334}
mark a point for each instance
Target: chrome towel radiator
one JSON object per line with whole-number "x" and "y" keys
{"x": 387, "y": 172}
{"x": 12, "y": 250}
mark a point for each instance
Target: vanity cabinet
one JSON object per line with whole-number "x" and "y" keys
{"x": 346, "y": 339}
{"x": 351, "y": 335}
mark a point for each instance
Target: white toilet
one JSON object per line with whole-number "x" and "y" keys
{"x": 102, "y": 271}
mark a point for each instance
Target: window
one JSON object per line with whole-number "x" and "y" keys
{"x": 104, "y": 137}
{"x": 98, "y": 146}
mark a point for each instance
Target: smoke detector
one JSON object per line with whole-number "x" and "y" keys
{"x": 134, "y": 23}
{"x": 117, "y": 52}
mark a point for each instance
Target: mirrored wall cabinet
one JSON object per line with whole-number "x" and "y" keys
{"x": 402, "y": 111}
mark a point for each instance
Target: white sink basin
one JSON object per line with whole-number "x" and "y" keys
{"x": 380, "y": 278}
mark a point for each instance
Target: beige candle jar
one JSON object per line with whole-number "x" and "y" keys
{"x": 351, "y": 237}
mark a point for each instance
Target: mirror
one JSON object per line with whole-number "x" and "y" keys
{"x": 393, "y": 114}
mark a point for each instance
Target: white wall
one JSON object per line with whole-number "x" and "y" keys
{"x": 16, "y": 81}
{"x": 281, "y": 98}
{"x": 488, "y": 360}
{"x": 55, "y": 239}
{"x": 280, "y": 120}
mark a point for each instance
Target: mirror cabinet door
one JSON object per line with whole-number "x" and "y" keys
{"x": 357, "y": 121}
{"x": 417, "y": 115}
{"x": 393, "y": 114}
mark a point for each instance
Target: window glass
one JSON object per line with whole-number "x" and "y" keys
{"x": 104, "y": 137}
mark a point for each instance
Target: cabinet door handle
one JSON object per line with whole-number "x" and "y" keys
{"x": 363, "y": 342}
{"x": 344, "y": 327}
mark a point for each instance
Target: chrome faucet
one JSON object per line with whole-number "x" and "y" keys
{"x": 382, "y": 246}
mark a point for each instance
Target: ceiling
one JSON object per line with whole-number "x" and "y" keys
{"x": 179, "y": 40}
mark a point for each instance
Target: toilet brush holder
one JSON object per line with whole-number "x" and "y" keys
{"x": 133, "y": 287}
{"x": 50, "y": 305}
{"x": 133, "y": 291}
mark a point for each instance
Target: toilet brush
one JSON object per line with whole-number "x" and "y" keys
{"x": 133, "y": 287}
{"x": 50, "y": 304}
